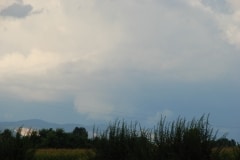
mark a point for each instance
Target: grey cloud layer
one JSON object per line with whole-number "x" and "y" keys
{"x": 119, "y": 43}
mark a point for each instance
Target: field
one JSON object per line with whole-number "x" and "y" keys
{"x": 63, "y": 154}
{"x": 226, "y": 153}
{"x": 229, "y": 153}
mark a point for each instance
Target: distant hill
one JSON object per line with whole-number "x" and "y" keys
{"x": 40, "y": 124}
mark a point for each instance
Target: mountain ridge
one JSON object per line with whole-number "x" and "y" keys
{"x": 39, "y": 124}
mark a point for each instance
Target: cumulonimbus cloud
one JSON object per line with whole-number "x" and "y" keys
{"x": 105, "y": 54}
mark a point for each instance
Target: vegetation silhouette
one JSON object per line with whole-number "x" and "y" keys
{"x": 176, "y": 140}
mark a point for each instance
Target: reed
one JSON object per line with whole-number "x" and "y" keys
{"x": 123, "y": 141}
{"x": 184, "y": 140}
{"x": 180, "y": 140}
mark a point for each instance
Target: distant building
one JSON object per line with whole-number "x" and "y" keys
{"x": 26, "y": 131}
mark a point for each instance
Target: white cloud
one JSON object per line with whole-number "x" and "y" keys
{"x": 232, "y": 33}
{"x": 235, "y": 4}
{"x": 34, "y": 63}
{"x": 71, "y": 44}
{"x": 226, "y": 14}
{"x": 5, "y": 3}
{"x": 31, "y": 94}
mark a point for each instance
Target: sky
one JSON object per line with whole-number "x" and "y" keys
{"x": 91, "y": 61}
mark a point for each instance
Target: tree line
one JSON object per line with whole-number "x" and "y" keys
{"x": 14, "y": 146}
{"x": 177, "y": 140}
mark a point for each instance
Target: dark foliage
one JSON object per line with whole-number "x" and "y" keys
{"x": 17, "y": 147}
{"x": 177, "y": 140}
{"x": 13, "y": 147}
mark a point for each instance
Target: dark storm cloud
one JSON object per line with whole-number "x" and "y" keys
{"x": 17, "y": 10}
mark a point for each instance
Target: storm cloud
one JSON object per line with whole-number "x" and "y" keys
{"x": 17, "y": 10}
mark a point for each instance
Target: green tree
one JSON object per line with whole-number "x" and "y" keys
{"x": 80, "y": 132}
{"x": 79, "y": 137}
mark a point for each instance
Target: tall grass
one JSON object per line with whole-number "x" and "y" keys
{"x": 177, "y": 140}
{"x": 123, "y": 141}
{"x": 184, "y": 140}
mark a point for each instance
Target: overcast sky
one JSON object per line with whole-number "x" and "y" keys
{"x": 92, "y": 61}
